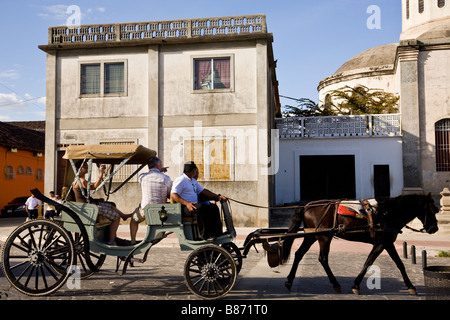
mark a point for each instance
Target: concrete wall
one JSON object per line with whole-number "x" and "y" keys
{"x": 367, "y": 151}
{"x": 434, "y": 98}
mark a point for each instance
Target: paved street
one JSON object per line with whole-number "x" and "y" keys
{"x": 161, "y": 277}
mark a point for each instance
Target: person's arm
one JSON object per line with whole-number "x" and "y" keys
{"x": 212, "y": 196}
{"x": 189, "y": 205}
{"x": 100, "y": 177}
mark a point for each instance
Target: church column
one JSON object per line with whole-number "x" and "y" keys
{"x": 409, "y": 103}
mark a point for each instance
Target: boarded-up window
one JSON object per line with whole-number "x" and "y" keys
{"x": 442, "y": 133}
{"x": 212, "y": 157}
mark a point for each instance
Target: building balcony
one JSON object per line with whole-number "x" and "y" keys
{"x": 373, "y": 125}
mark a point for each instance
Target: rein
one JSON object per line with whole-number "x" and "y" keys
{"x": 262, "y": 207}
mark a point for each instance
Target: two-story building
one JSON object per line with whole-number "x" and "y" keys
{"x": 195, "y": 89}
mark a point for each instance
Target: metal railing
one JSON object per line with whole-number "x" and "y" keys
{"x": 188, "y": 28}
{"x": 340, "y": 126}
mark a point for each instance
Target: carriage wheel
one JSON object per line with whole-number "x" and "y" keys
{"x": 233, "y": 249}
{"x": 33, "y": 252}
{"x": 96, "y": 258}
{"x": 210, "y": 272}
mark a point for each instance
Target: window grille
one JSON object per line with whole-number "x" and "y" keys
{"x": 442, "y": 133}
{"x": 90, "y": 78}
{"x": 126, "y": 170}
{"x": 441, "y": 3}
{"x": 114, "y": 78}
{"x": 421, "y": 6}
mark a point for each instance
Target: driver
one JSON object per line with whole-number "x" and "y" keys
{"x": 186, "y": 190}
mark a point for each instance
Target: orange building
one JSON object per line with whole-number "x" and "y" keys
{"x": 21, "y": 160}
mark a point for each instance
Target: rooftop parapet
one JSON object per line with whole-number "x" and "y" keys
{"x": 169, "y": 29}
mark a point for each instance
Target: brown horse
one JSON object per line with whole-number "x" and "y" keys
{"x": 391, "y": 216}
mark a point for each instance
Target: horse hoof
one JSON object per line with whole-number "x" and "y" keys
{"x": 356, "y": 291}
{"x": 412, "y": 291}
{"x": 337, "y": 289}
{"x": 288, "y": 285}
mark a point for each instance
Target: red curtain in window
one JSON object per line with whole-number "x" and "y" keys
{"x": 222, "y": 79}
{"x": 202, "y": 70}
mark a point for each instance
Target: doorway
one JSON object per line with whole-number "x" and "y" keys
{"x": 327, "y": 177}
{"x": 381, "y": 180}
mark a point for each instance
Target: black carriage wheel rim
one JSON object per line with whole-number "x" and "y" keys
{"x": 35, "y": 255}
{"x": 210, "y": 272}
{"x": 233, "y": 249}
{"x": 80, "y": 252}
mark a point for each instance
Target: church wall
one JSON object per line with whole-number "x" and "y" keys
{"x": 434, "y": 79}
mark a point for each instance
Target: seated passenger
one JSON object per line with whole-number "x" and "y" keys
{"x": 105, "y": 209}
{"x": 155, "y": 188}
{"x": 186, "y": 190}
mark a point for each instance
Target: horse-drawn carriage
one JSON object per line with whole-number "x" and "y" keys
{"x": 39, "y": 256}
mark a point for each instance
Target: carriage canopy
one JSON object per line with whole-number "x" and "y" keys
{"x": 110, "y": 154}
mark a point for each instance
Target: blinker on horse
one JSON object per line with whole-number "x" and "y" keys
{"x": 392, "y": 214}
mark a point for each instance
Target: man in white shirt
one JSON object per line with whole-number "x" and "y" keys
{"x": 31, "y": 206}
{"x": 186, "y": 190}
{"x": 155, "y": 188}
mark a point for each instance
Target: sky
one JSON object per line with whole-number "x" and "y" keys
{"x": 312, "y": 39}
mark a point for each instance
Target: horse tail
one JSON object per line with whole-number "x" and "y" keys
{"x": 294, "y": 225}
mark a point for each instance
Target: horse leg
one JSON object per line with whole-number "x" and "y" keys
{"x": 394, "y": 256}
{"x": 324, "y": 243}
{"x": 306, "y": 244}
{"x": 373, "y": 255}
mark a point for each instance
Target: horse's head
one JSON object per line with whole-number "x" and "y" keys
{"x": 428, "y": 218}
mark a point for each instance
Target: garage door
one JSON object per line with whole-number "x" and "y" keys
{"x": 327, "y": 177}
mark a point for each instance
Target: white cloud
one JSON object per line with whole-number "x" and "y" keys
{"x": 16, "y": 108}
{"x": 60, "y": 13}
{"x": 8, "y": 100}
{"x": 9, "y": 74}
{"x": 55, "y": 12}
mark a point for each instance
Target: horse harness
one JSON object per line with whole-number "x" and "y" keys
{"x": 362, "y": 209}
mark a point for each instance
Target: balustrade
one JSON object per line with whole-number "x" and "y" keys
{"x": 340, "y": 126}
{"x": 189, "y": 28}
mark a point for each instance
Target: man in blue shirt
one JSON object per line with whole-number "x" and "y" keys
{"x": 186, "y": 190}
